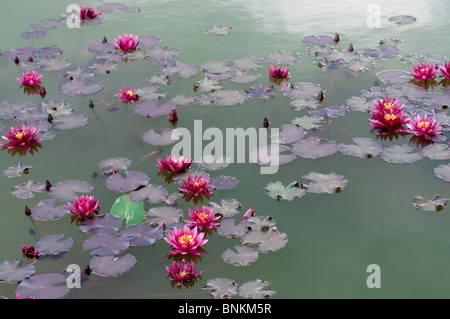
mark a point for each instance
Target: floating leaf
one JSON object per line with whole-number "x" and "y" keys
{"x": 278, "y": 191}
{"x": 47, "y": 24}
{"x": 207, "y": 85}
{"x": 54, "y": 64}
{"x": 243, "y": 256}
{"x": 308, "y": 122}
{"x": 271, "y": 155}
{"x": 303, "y": 103}
{"x": 111, "y": 266}
{"x": 167, "y": 137}
{"x": 268, "y": 240}
{"x": 69, "y": 121}
{"x": 221, "y": 288}
{"x": 67, "y": 191}
{"x": 130, "y": 182}
{"x": 224, "y": 182}
{"x": 80, "y": 87}
{"x": 260, "y": 223}
{"x": 359, "y": 103}
{"x": 261, "y": 91}
{"x": 431, "y": 204}
{"x": 131, "y": 212}
{"x": 10, "y": 109}
{"x": 382, "y": 52}
{"x": 143, "y": 234}
{"x": 443, "y": 172}
{"x": 164, "y": 214}
{"x": 37, "y": 34}
{"x": 325, "y": 183}
{"x": 43, "y": 286}
{"x": 56, "y": 109}
{"x": 313, "y": 147}
{"x": 161, "y": 52}
{"x": 103, "y": 68}
{"x": 120, "y": 163}
{"x": 154, "y": 194}
{"x": 216, "y": 66}
{"x": 360, "y": 65}
{"x": 26, "y": 189}
{"x": 46, "y": 52}
{"x": 229, "y": 97}
{"x": 147, "y": 41}
{"x": 254, "y": 290}
{"x": 289, "y": 134}
{"x": 211, "y": 163}
{"x": 17, "y": 170}
{"x": 321, "y": 40}
{"x": 400, "y": 154}
{"x": 226, "y": 208}
{"x": 243, "y": 78}
{"x": 247, "y": 63}
{"x": 184, "y": 70}
{"x": 101, "y": 224}
{"x": 403, "y": 19}
{"x": 436, "y": 152}
{"x": 219, "y": 31}
{"x": 150, "y": 93}
{"x": 393, "y": 76}
{"x": 150, "y": 108}
{"x": 365, "y": 147}
{"x": 106, "y": 244}
{"x": 10, "y": 272}
{"x": 51, "y": 245}
{"x": 46, "y": 210}
{"x": 335, "y": 111}
{"x": 282, "y": 57}
{"x": 228, "y": 228}
{"x": 78, "y": 73}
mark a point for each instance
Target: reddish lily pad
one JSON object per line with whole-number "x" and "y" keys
{"x": 67, "y": 191}
{"x": 111, "y": 266}
{"x": 46, "y": 210}
{"x": 106, "y": 244}
{"x": 43, "y": 286}
{"x": 130, "y": 182}
{"x": 51, "y": 245}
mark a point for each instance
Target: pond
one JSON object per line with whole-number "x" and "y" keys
{"x": 338, "y": 206}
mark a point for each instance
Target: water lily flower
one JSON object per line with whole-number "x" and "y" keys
{"x": 30, "y": 252}
{"x": 173, "y": 116}
{"x": 185, "y": 240}
{"x": 88, "y": 13}
{"x": 202, "y": 218}
{"x": 30, "y": 78}
{"x": 172, "y": 164}
{"x": 84, "y": 207}
{"x": 183, "y": 273}
{"x": 424, "y": 72}
{"x": 445, "y": 69}
{"x": 249, "y": 213}
{"x": 196, "y": 186}
{"x": 279, "y": 73}
{"x": 423, "y": 126}
{"x": 23, "y": 137}
{"x": 126, "y": 42}
{"x": 127, "y": 95}
{"x": 388, "y": 115}
{"x": 18, "y": 296}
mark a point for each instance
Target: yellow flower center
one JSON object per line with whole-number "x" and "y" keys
{"x": 186, "y": 238}
{"x": 20, "y": 134}
{"x": 424, "y": 70}
{"x": 390, "y": 117}
{"x": 388, "y": 105}
{"x": 202, "y": 215}
{"x": 130, "y": 93}
{"x": 423, "y": 123}
{"x": 183, "y": 273}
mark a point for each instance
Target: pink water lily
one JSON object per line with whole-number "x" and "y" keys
{"x": 279, "y": 73}
{"x": 30, "y": 252}
{"x": 88, "y": 13}
{"x": 172, "y": 164}
{"x": 202, "y": 218}
{"x": 126, "y": 42}
{"x": 185, "y": 241}
{"x": 127, "y": 95}
{"x": 30, "y": 78}
{"x": 424, "y": 126}
{"x": 84, "y": 207}
{"x": 183, "y": 273}
{"x": 196, "y": 186}
{"x": 445, "y": 69}
{"x": 23, "y": 137}
{"x": 388, "y": 115}
{"x": 424, "y": 72}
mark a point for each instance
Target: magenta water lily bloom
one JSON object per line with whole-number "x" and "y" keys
{"x": 185, "y": 241}
{"x": 172, "y": 164}
{"x": 424, "y": 126}
{"x": 183, "y": 273}
{"x": 388, "y": 115}
{"x": 126, "y": 42}
{"x": 30, "y": 252}
{"x": 196, "y": 186}
{"x": 84, "y": 207}
{"x": 424, "y": 72}
{"x": 127, "y": 95}
{"x": 30, "y": 78}
{"x": 88, "y": 13}
{"x": 445, "y": 69}
{"x": 279, "y": 73}
{"x": 24, "y": 137}
{"x": 202, "y": 218}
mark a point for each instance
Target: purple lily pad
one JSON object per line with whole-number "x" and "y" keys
{"x": 46, "y": 210}
{"x": 403, "y": 19}
{"x": 271, "y": 155}
{"x": 261, "y": 91}
{"x": 110, "y": 265}
{"x": 154, "y": 193}
{"x": 184, "y": 70}
{"x": 267, "y": 240}
{"x": 225, "y": 182}
{"x": 167, "y": 137}
{"x": 43, "y": 286}
{"x": 67, "y": 191}
{"x": 226, "y": 208}
{"x": 51, "y": 245}
{"x": 47, "y": 24}
{"x": 282, "y": 57}
{"x": 243, "y": 256}
{"x": 161, "y": 52}
{"x": 244, "y": 77}
{"x": 150, "y": 108}
{"x": 443, "y": 172}
{"x": 382, "y": 52}
{"x": 228, "y": 228}
{"x": 313, "y": 147}
{"x": 216, "y": 66}
{"x": 130, "y": 182}
{"x": 393, "y": 76}
{"x": 364, "y": 147}
{"x": 106, "y": 244}
{"x": 120, "y": 163}
{"x": 37, "y": 34}
{"x": 401, "y": 154}
{"x": 289, "y": 134}
{"x": 26, "y": 189}
{"x": 80, "y": 87}
{"x": 143, "y": 234}
{"x": 221, "y": 288}
{"x": 229, "y": 97}
{"x": 69, "y": 121}
{"x": 103, "y": 47}
{"x": 359, "y": 103}
{"x": 10, "y": 272}
{"x": 321, "y": 40}
{"x": 103, "y": 68}
{"x": 164, "y": 214}
{"x": 47, "y": 52}
{"x": 101, "y": 224}
{"x": 335, "y": 111}
{"x": 436, "y": 152}
{"x": 150, "y": 93}
{"x": 78, "y": 74}
{"x": 147, "y": 41}
{"x": 303, "y": 90}
{"x": 325, "y": 183}
{"x": 248, "y": 63}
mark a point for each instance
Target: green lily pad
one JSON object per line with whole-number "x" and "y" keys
{"x": 133, "y": 213}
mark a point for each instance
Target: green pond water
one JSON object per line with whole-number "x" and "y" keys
{"x": 332, "y": 238}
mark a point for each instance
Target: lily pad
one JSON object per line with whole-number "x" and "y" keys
{"x": 17, "y": 170}
{"x": 184, "y": 70}
{"x": 207, "y": 85}
{"x": 290, "y": 192}
{"x": 282, "y": 57}
{"x": 335, "y": 111}
{"x": 154, "y": 193}
{"x": 226, "y": 208}
{"x": 365, "y": 147}
{"x": 106, "y": 244}
{"x": 261, "y": 91}
{"x": 248, "y": 63}
{"x": 130, "y": 182}
{"x": 393, "y": 76}
{"x": 80, "y": 87}
{"x": 313, "y": 147}
{"x": 150, "y": 108}
{"x": 221, "y": 288}
{"x": 143, "y": 234}
{"x": 167, "y": 137}
{"x": 56, "y": 109}
{"x": 254, "y": 290}
{"x": 401, "y": 154}
{"x": 164, "y": 214}
{"x": 46, "y": 210}
{"x": 211, "y": 163}
{"x": 243, "y": 256}
{"x": 27, "y": 189}
{"x": 431, "y": 204}
{"x": 43, "y": 286}
{"x": 325, "y": 183}
{"x": 101, "y": 224}
{"x": 131, "y": 212}
{"x": 110, "y": 265}
{"x": 219, "y": 30}
{"x": 69, "y": 121}
{"x": 403, "y": 19}
{"x": 436, "y": 152}
{"x": 52, "y": 245}
{"x": 267, "y": 240}
{"x": 10, "y": 272}
{"x": 119, "y": 163}
{"x": 150, "y": 93}
{"x": 321, "y": 40}
{"x": 67, "y": 191}
{"x": 443, "y": 172}
{"x": 228, "y": 228}
{"x": 229, "y": 97}
{"x": 308, "y": 122}
{"x": 225, "y": 182}
{"x": 289, "y": 134}
{"x": 382, "y": 52}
